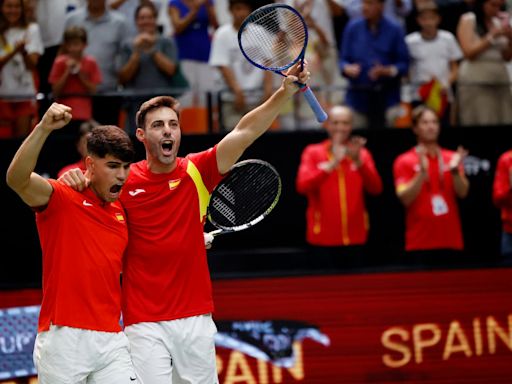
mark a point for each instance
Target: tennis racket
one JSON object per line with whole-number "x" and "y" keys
{"x": 247, "y": 194}
{"x": 274, "y": 37}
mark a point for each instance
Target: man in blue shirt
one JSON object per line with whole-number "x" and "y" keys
{"x": 374, "y": 57}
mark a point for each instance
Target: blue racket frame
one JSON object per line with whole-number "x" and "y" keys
{"x": 320, "y": 114}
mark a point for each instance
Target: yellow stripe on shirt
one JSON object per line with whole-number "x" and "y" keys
{"x": 202, "y": 192}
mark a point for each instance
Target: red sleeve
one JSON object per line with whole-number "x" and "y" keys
{"x": 403, "y": 170}
{"x": 309, "y": 176}
{"x": 501, "y": 189}
{"x": 371, "y": 178}
{"x": 58, "y": 68}
{"x": 206, "y": 163}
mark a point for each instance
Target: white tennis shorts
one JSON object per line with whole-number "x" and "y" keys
{"x": 179, "y": 351}
{"x": 65, "y": 355}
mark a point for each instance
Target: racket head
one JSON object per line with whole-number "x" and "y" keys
{"x": 273, "y": 37}
{"x": 245, "y": 196}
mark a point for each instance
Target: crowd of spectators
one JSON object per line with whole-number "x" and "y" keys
{"x": 379, "y": 57}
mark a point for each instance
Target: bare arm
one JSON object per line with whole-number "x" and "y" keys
{"x": 31, "y": 60}
{"x": 6, "y": 58}
{"x": 471, "y": 44}
{"x": 33, "y": 189}
{"x": 257, "y": 121}
{"x": 130, "y": 68}
{"x": 181, "y": 23}
{"x": 460, "y": 181}
{"x": 408, "y": 193}
{"x": 164, "y": 63}
{"x": 454, "y": 68}
{"x": 230, "y": 79}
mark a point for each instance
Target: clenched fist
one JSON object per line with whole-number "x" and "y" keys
{"x": 56, "y": 117}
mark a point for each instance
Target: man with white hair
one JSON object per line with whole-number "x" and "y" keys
{"x": 334, "y": 175}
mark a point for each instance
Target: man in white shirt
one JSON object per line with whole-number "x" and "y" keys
{"x": 239, "y": 81}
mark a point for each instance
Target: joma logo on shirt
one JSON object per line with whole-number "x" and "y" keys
{"x": 119, "y": 217}
{"x": 173, "y": 184}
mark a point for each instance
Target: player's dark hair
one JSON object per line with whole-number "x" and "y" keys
{"x": 155, "y": 103}
{"x": 110, "y": 140}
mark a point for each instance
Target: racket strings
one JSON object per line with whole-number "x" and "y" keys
{"x": 244, "y": 196}
{"x": 251, "y": 192}
{"x": 274, "y": 38}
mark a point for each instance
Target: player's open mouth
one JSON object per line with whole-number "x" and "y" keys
{"x": 167, "y": 147}
{"x": 115, "y": 188}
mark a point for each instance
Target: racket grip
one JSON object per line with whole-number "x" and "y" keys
{"x": 320, "y": 114}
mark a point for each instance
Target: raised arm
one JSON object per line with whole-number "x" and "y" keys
{"x": 33, "y": 189}
{"x": 257, "y": 121}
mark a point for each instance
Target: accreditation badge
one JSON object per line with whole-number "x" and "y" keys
{"x": 439, "y": 206}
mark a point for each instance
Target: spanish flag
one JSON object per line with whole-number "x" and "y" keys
{"x": 434, "y": 96}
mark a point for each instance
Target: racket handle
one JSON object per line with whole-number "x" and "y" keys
{"x": 320, "y": 114}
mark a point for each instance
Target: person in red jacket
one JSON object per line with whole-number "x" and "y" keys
{"x": 428, "y": 181}
{"x": 502, "y": 198}
{"x": 334, "y": 175}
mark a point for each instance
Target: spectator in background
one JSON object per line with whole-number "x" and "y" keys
{"x": 395, "y": 10}
{"x": 374, "y": 57}
{"x": 502, "y": 197}
{"x": 20, "y": 49}
{"x": 485, "y": 36}
{"x": 428, "y": 181}
{"x": 106, "y": 30}
{"x": 128, "y": 8}
{"x": 81, "y": 147}
{"x": 335, "y": 175}
{"x": 74, "y": 74}
{"x": 149, "y": 61}
{"x": 322, "y": 57}
{"x": 434, "y": 56}
{"x": 193, "y": 20}
{"x": 51, "y": 17}
{"x": 247, "y": 85}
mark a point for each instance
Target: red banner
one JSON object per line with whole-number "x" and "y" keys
{"x": 411, "y": 327}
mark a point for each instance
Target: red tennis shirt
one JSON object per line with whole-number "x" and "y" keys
{"x": 502, "y": 190}
{"x": 83, "y": 240}
{"x": 432, "y": 219}
{"x": 165, "y": 275}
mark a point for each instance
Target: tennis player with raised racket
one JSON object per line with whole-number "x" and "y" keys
{"x": 167, "y": 295}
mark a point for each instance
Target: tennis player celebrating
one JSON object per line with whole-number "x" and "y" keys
{"x": 167, "y": 294}
{"x": 83, "y": 236}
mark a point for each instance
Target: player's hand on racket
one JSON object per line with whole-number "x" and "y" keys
{"x": 56, "y": 117}
{"x": 75, "y": 179}
{"x": 297, "y": 73}
{"x": 208, "y": 240}
{"x": 274, "y": 37}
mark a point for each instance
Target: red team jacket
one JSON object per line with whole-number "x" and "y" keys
{"x": 336, "y": 213}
